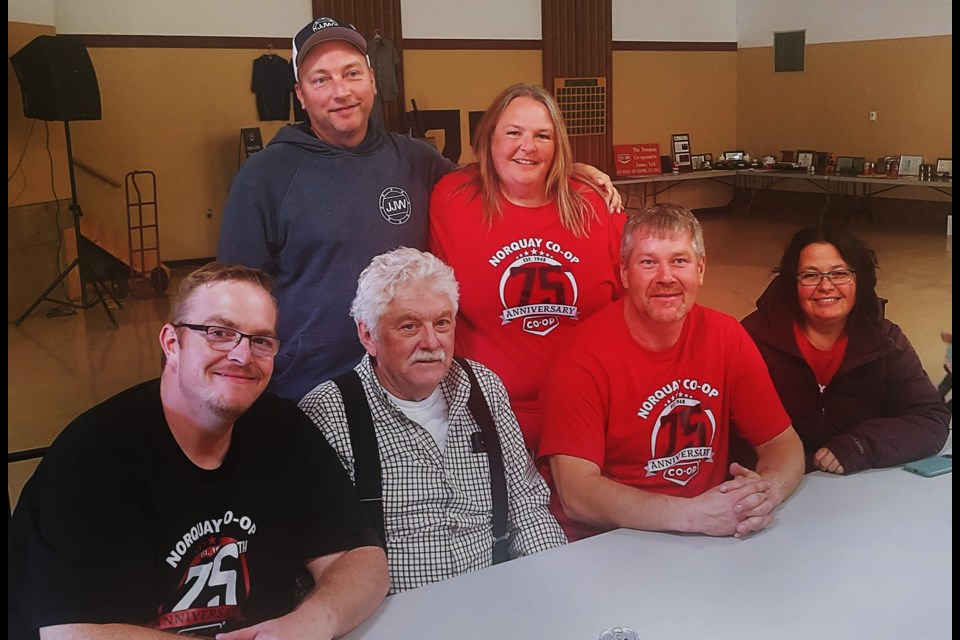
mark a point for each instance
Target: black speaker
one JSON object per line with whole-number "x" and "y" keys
{"x": 666, "y": 164}
{"x": 788, "y": 48}
{"x": 57, "y": 79}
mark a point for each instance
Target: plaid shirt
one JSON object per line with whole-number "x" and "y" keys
{"x": 438, "y": 509}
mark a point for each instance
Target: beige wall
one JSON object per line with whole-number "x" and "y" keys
{"x": 907, "y": 81}
{"x": 659, "y": 93}
{"x": 178, "y": 113}
{"x": 465, "y": 80}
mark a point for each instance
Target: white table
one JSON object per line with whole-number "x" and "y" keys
{"x": 873, "y": 185}
{"x": 868, "y": 556}
{"x": 763, "y": 180}
{"x": 656, "y": 184}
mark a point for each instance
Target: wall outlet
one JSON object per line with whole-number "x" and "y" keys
{"x": 873, "y": 116}
{"x": 209, "y": 213}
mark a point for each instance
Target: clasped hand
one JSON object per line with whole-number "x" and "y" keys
{"x": 739, "y": 506}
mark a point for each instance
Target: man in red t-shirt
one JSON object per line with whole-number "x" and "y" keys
{"x": 639, "y": 406}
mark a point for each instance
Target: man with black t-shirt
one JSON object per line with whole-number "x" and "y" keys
{"x": 195, "y": 503}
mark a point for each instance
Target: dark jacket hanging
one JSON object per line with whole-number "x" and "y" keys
{"x": 272, "y": 83}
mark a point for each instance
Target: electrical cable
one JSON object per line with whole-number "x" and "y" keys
{"x": 23, "y": 151}
{"x": 16, "y": 169}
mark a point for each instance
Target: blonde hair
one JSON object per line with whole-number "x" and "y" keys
{"x": 662, "y": 220}
{"x": 574, "y": 210}
{"x": 214, "y": 272}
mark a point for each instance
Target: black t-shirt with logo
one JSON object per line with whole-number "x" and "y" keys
{"x": 117, "y": 525}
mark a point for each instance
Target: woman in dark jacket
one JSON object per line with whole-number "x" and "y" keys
{"x": 848, "y": 377}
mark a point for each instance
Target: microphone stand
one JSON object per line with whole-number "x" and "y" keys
{"x": 86, "y": 272}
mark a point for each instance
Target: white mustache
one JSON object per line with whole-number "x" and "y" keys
{"x": 429, "y": 356}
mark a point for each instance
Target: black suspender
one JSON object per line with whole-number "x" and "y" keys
{"x": 366, "y": 456}
{"x": 491, "y": 444}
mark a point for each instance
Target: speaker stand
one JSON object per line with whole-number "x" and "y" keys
{"x": 86, "y": 272}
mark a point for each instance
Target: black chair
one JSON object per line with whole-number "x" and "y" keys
{"x": 946, "y": 389}
{"x": 447, "y": 120}
{"x": 946, "y": 385}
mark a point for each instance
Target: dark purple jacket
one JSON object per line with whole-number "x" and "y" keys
{"x": 879, "y": 410}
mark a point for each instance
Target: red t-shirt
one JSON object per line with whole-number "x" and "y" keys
{"x": 525, "y": 283}
{"x": 823, "y": 362}
{"x": 657, "y": 420}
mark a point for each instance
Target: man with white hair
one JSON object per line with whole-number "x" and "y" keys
{"x": 429, "y": 439}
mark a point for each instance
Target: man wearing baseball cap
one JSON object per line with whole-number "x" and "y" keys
{"x": 326, "y": 196}
{"x": 324, "y": 30}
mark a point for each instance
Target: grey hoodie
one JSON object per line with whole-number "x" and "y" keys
{"x": 313, "y": 215}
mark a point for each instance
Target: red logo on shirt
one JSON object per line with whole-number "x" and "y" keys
{"x": 682, "y": 439}
{"x": 540, "y": 290}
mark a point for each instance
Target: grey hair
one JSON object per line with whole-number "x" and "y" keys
{"x": 378, "y": 282}
{"x": 664, "y": 219}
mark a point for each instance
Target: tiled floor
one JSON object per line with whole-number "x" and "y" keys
{"x": 58, "y": 367}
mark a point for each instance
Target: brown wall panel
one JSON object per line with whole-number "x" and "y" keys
{"x": 577, "y": 42}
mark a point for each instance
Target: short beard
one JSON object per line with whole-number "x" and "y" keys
{"x": 226, "y": 411}
{"x": 673, "y": 314}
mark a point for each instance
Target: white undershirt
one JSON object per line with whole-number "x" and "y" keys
{"x": 430, "y": 413}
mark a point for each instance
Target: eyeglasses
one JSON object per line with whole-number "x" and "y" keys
{"x": 813, "y": 278}
{"x": 224, "y": 339}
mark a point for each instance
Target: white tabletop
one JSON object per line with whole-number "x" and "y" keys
{"x": 678, "y": 177}
{"x": 896, "y": 181}
{"x": 799, "y": 175}
{"x": 862, "y": 556}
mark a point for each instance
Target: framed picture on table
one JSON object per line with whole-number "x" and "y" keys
{"x": 910, "y": 165}
{"x": 805, "y": 157}
{"x": 844, "y": 166}
{"x": 681, "y": 152}
{"x": 820, "y": 161}
{"x": 945, "y": 165}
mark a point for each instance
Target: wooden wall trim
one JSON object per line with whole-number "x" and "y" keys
{"x": 183, "y": 42}
{"x": 443, "y": 44}
{"x": 107, "y": 41}
{"x": 627, "y": 45}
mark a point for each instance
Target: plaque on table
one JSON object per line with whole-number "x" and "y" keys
{"x": 634, "y": 160}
